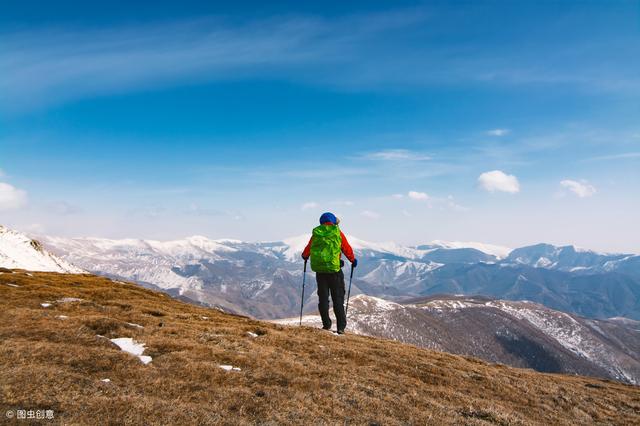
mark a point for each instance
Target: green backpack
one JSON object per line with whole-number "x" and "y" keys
{"x": 326, "y": 245}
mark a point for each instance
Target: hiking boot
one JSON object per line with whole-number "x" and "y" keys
{"x": 340, "y": 331}
{"x": 326, "y": 328}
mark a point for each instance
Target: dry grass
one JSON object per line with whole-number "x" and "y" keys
{"x": 289, "y": 375}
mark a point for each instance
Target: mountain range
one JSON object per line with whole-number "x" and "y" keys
{"x": 263, "y": 279}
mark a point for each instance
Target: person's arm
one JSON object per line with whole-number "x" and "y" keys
{"x": 346, "y": 248}
{"x": 307, "y": 250}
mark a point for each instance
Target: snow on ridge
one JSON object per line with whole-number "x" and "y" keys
{"x": 394, "y": 269}
{"x": 498, "y": 251}
{"x": 376, "y": 303}
{"x": 552, "y": 323}
{"x": 18, "y": 251}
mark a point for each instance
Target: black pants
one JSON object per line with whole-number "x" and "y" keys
{"x": 331, "y": 282}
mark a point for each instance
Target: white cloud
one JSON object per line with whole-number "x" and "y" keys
{"x": 420, "y": 196}
{"x": 397, "y": 155}
{"x": 370, "y": 215}
{"x": 11, "y": 197}
{"x": 309, "y": 205}
{"x": 498, "y": 132}
{"x": 497, "y": 180}
{"x": 1, "y": 173}
{"x": 582, "y": 189}
{"x": 397, "y": 196}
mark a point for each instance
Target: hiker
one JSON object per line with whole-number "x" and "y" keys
{"x": 324, "y": 248}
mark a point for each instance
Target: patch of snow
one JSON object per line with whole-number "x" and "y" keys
{"x": 106, "y": 380}
{"x": 543, "y": 262}
{"x": 129, "y": 345}
{"x": 252, "y": 334}
{"x": 12, "y": 285}
{"x": 229, "y": 368}
{"x": 579, "y": 268}
{"x": 68, "y": 300}
{"x": 146, "y": 359}
{"x": 62, "y": 317}
{"x": 134, "y": 325}
{"x": 45, "y": 304}
{"x": 447, "y": 304}
{"x": 204, "y": 318}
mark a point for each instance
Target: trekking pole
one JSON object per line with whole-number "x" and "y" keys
{"x": 304, "y": 278}
{"x": 349, "y": 292}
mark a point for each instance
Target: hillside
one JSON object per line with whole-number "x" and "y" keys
{"x": 208, "y": 367}
{"x": 520, "y": 334}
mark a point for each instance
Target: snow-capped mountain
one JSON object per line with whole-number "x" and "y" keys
{"x": 263, "y": 279}
{"x": 566, "y": 258}
{"x": 521, "y": 334}
{"x": 17, "y": 251}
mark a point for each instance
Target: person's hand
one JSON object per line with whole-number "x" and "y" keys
{"x": 354, "y": 263}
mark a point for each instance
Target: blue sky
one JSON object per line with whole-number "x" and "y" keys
{"x": 503, "y": 122}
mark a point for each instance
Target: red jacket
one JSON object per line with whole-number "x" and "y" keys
{"x": 345, "y": 247}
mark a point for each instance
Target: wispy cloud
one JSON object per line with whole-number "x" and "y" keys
{"x": 582, "y": 188}
{"x": 418, "y": 196}
{"x": 58, "y": 64}
{"x": 621, "y": 156}
{"x": 370, "y": 214}
{"x": 397, "y": 155}
{"x": 63, "y": 208}
{"x": 318, "y": 173}
{"x": 451, "y": 203}
{"x": 498, "y": 132}
{"x": 309, "y": 205}
{"x": 55, "y": 64}
{"x": 197, "y": 210}
{"x": 11, "y": 197}
{"x": 344, "y": 203}
{"x": 499, "y": 181}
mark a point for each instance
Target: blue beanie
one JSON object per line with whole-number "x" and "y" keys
{"x": 328, "y": 217}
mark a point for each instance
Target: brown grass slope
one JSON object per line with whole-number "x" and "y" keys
{"x": 288, "y": 375}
